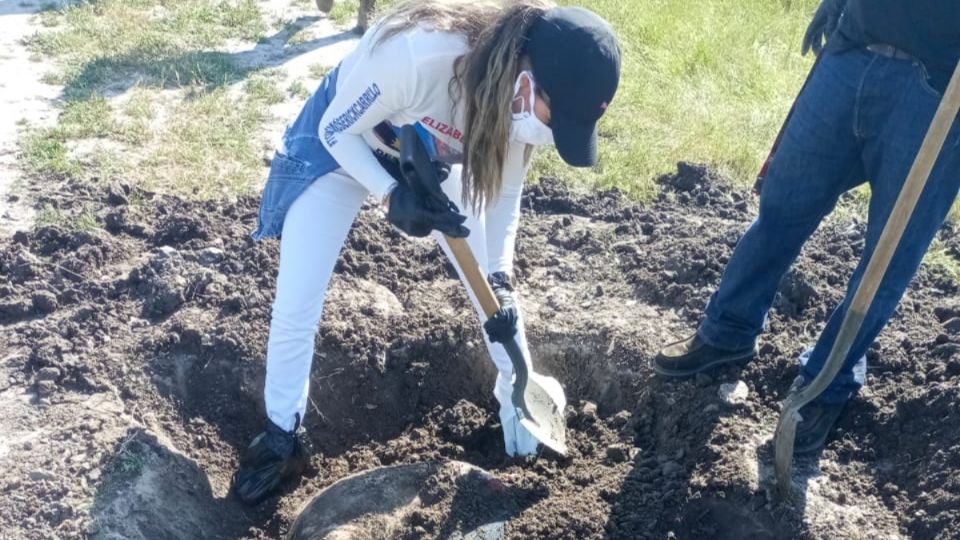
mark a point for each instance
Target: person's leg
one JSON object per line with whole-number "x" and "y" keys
{"x": 517, "y": 440}
{"x": 314, "y": 230}
{"x": 816, "y": 162}
{"x": 313, "y": 234}
{"x": 897, "y": 110}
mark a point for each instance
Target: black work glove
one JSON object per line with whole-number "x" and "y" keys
{"x": 408, "y": 212}
{"x": 823, "y": 25}
{"x": 502, "y": 326}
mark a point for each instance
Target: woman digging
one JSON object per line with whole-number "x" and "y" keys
{"x": 484, "y": 83}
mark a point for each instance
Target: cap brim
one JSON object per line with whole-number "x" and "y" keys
{"x": 576, "y": 142}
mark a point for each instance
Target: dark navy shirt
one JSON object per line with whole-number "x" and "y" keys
{"x": 928, "y": 30}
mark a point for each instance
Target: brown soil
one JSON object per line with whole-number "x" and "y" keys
{"x": 133, "y": 366}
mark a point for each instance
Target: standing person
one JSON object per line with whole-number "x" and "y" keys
{"x": 483, "y": 83}
{"x": 861, "y": 118}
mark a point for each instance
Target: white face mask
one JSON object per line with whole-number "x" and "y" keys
{"x": 526, "y": 127}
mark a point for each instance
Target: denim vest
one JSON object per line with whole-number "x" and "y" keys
{"x": 301, "y": 160}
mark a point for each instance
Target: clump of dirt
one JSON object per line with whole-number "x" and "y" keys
{"x": 134, "y": 359}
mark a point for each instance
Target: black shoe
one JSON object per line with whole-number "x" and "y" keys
{"x": 817, "y": 420}
{"x": 272, "y": 458}
{"x": 691, "y": 356}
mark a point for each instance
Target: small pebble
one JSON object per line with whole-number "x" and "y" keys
{"x": 41, "y": 475}
{"x": 44, "y": 302}
{"x": 733, "y": 393}
{"x": 48, "y": 374}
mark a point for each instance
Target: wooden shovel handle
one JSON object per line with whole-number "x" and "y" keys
{"x": 475, "y": 278}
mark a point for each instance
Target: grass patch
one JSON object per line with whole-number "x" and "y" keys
{"x": 344, "y": 11}
{"x": 706, "y": 81}
{"x": 198, "y": 157}
{"x": 44, "y": 152}
{"x": 108, "y": 43}
{"x": 298, "y": 90}
{"x": 941, "y": 263}
{"x": 200, "y": 141}
{"x": 317, "y": 71}
{"x": 265, "y": 89}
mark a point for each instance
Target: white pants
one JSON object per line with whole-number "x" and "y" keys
{"x": 314, "y": 232}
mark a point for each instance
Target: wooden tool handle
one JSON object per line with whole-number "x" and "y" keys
{"x": 475, "y": 278}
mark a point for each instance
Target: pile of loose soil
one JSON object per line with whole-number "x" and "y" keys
{"x": 133, "y": 360}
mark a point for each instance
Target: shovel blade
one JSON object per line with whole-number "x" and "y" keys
{"x": 545, "y": 401}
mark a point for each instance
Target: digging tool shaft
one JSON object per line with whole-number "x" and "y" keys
{"x": 488, "y": 302}
{"x": 872, "y": 277}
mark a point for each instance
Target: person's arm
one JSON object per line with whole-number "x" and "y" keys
{"x": 381, "y": 83}
{"x": 502, "y": 216}
{"x": 502, "y": 220}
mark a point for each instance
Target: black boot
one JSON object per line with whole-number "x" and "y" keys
{"x": 272, "y": 458}
{"x": 691, "y": 356}
{"x": 817, "y": 422}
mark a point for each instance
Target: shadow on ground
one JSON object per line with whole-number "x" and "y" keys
{"x": 114, "y": 75}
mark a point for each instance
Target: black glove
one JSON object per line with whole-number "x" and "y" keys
{"x": 503, "y": 325}
{"x": 412, "y": 215}
{"x": 823, "y": 25}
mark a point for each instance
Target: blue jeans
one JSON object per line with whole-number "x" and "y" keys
{"x": 301, "y": 160}
{"x": 862, "y": 117}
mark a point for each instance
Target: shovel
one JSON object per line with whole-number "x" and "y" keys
{"x": 539, "y": 400}
{"x": 863, "y": 297}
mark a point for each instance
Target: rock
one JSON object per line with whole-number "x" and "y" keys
{"x": 48, "y": 374}
{"x": 210, "y": 255}
{"x": 590, "y": 409}
{"x": 44, "y": 302}
{"x": 733, "y": 393}
{"x": 166, "y": 252}
{"x": 40, "y": 475}
{"x": 116, "y": 195}
{"x": 619, "y": 453}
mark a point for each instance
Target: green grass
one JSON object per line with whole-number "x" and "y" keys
{"x": 318, "y": 71}
{"x": 110, "y": 43}
{"x": 298, "y": 90}
{"x": 44, "y": 153}
{"x": 204, "y": 144}
{"x": 940, "y": 262}
{"x": 707, "y": 81}
{"x": 263, "y": 87}
{"x": 344, "y": 11}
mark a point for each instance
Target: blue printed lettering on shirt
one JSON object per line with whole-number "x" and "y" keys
{"x": 350, "y": 117}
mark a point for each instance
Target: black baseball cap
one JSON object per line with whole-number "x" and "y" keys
{"x": 576, "y": 61}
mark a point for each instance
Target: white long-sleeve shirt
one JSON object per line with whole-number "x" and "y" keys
{"x": 402, "y": 80}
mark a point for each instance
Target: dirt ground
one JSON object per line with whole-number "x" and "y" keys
{"x": 133, "y": 360}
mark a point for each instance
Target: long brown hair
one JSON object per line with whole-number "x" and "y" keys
{"x": 483, "y": 81}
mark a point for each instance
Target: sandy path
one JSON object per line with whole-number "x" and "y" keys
{"x": 23, "y": 99}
